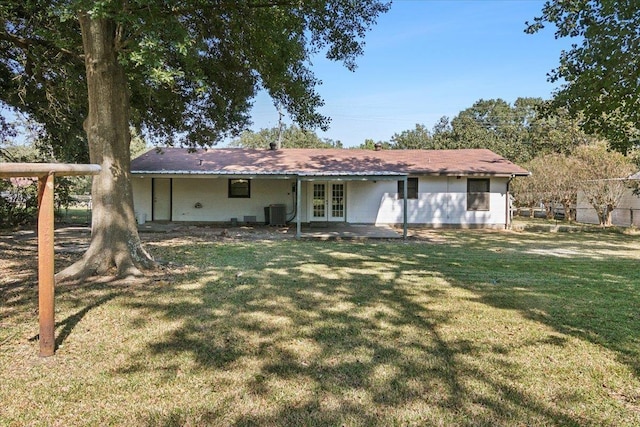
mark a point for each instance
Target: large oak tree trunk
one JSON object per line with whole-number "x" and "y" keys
{"x": 115, "y": 243}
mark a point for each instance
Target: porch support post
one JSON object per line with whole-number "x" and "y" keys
{"x": 404, "y": 210}
{"x": 46, "y": 279}
{"x": 298, "y": 208}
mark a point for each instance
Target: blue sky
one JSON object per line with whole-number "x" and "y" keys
{"x": 431, "y": 58}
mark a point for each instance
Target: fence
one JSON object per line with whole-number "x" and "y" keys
{"x": 622, "y": 217}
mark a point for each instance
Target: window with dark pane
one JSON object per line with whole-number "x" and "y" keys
{"x": 239, "y": 188}
{"x": 412, "y": 188}
{"x": 478, "y": 194}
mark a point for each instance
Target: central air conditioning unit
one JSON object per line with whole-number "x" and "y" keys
{"x": 278, "y": 215}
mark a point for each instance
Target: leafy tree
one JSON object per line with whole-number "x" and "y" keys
{"x": 414, "y": 139}
{"x": 557, "y": 178}
{"x": 19, "y": 196}
{"x": 561, "y": 173}
{"x": 442, "y": 133}
{"x": 179, "y": 71}
{"x": 601, "y": 69}
{"x": 18, "y": 201}
{"x": 634, "y": 157}
{"x": 524, "y": 191}
{"x": 7, "y": 132}
{"x": 291, "y": 137}
{"x": 138, "y": 145}
{"x": 552, "y": 182}
{"x": 602, "y": 178}
{"x": 496, "y": 125}
{"x": 492, "y": 124}
{"x": 519, "y": 132}
{"x": 554, "y": 130}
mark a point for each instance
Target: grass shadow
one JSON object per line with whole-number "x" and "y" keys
{"x": 585, "y": 285}
{"x": 359, "y": 326}
{"x": 471, "y": 328}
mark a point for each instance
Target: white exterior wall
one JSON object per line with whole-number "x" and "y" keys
{"x": 142, "y": 196}
{"x": 217, "y": 206}
{"x": 364, "y": 199}
{"x": 212, "y": 194}
{"x": 441, "y": 201}
{"x": 304, "y": 216}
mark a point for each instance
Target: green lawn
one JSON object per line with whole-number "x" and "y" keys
{"x": 74, "y": 215}
{"x": 458, "y": 328}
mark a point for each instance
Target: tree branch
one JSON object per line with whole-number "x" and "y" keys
{"x": 273, "y": 4}
{"x": 25, "y": 43}
{"x": 4, "y": 153}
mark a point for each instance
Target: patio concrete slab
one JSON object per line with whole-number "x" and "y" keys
{"x": 323, "y": 231}
{"x": 350, "y": 231}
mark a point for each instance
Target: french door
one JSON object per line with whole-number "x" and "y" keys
{"x": 327, "y": 201}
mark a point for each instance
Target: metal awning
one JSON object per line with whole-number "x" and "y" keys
{"x": 305, "y": 176}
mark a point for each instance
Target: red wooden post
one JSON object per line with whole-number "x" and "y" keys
{"x": 46, "y": 278}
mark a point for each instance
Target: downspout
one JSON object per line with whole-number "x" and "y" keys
{"x": 507, "y": 221}
{"x": 293, "y": 214}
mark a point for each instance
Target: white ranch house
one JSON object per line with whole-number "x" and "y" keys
{"x": 435, "y": 188}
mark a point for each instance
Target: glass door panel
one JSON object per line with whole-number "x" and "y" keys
{"x": 337, "y": 201}
{"x": 319, "y": 201}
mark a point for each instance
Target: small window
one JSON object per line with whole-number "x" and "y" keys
{"x": 239, "y": 188}
{"x": 478, "y": 194}
{"x": 412, "y": 188}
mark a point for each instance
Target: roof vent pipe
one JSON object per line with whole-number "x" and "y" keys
{"x": 273, "y": 146}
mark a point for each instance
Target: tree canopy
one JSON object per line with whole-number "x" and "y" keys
{"x": 181, "y": 72}
{"x": 520, "y": 131}
{"x": 290, "y": 137}
{"x": 417, "y": 138}
{"x": 370, "y": 144}
{"x": 599, "y": 173}
{"x": 554, "y": 181}
{"x": 601, "y": 71}
{"x": 603, "y": 177}
{"x": 192, "y": 67}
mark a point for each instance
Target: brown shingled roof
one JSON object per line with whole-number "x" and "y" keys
{"x": 302, "y": 161}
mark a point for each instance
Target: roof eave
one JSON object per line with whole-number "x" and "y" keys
{"x": 473, "y": 174}
{"x": 303, "y": 174}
